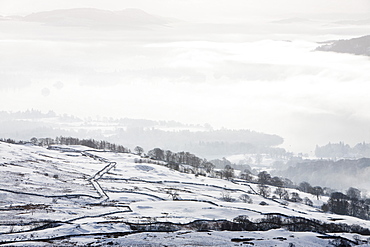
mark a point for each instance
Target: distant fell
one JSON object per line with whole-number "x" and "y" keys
{"x": 356, "y": 46}
{"x": 96, "y": 17}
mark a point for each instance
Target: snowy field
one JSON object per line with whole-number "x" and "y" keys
{"x": 75, "y": 196}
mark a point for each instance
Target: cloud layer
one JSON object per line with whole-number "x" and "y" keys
{"x": 232, "y": 79}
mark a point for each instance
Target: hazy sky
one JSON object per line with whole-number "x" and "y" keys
{"x": 256, "y": 75}
{"x": 202, "y": 10}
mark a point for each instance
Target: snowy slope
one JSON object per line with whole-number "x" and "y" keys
{"x": 77, "y": 196}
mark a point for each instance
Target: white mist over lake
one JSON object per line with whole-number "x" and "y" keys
{"x": 261, "y": 75}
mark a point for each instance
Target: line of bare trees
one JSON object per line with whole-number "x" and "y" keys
{"x": 62, "y": 140}
{"x": 174, "y": 160}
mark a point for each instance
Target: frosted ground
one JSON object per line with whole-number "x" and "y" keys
{"x": 77, "y": 196}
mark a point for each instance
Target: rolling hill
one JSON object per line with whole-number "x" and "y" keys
{"x": 356, "y": 46}
{"x": 78, "y": 196}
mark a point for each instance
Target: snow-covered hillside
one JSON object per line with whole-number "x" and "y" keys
{"x": 72, "y": 195}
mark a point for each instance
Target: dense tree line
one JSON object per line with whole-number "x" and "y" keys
{"x": 11, "y": 141}
{"x": 104, "y": 145}
{"x": 350, "y": 203}
{"x": 264, "y": 177}
{"x": 270, "y": 221}
{"x": 30, "y": 114}
{"x": 174, "y": 160}
{"x": 341, "y": 150}
{"x": 85, "y": 142}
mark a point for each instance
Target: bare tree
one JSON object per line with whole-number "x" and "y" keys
{"x": 208, "y": 166}
{"x": 317, "y": 191}
{"x": 156, "y": 153}
{"x": 228, "y": 172}
{"x": 34, "y": 140}
{"x": 246, "y": 175}
{"x": 138, "y": 150}
{"x": 264, "y": 177}
{"x": 353, "y": 193}
{"x": 307, "y": 201}
{"x": 225, "y": 196}
{"x": 264, "y": 190}
{"x": 305, "y": 187}
{"x": 173, "y": 193}
{"x": 281, "y": 192}
{"x": 245, "y": 198}
{"x": 295, "y": 197}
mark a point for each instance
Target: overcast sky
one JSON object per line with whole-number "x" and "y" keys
{"x": 200, "y": 10}
{"x": 257, "y": 75}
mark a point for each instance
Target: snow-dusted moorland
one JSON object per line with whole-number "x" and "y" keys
{"x": 76, "y": 196}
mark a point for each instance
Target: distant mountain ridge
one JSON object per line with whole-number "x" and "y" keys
{"x": 202, "y": 140}
{"x": 96, "y": 17}
{"x": 356, "y": 46}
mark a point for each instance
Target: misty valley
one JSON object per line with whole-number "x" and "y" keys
{"x": 67, "y": 190}
{"x": 152, "y": 123}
